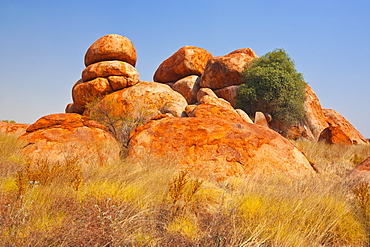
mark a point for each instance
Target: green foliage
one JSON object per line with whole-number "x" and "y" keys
{"x": 272, "y": 85}
{"x": 8, "y": 121}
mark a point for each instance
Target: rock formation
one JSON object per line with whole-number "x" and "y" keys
{"x": 188, "y": 87}
{"x": 334, "y": 135}
{"x": 224, "y": 71}
{"x": 334, "y": 118}
{"x": 218, "y": 148}
{"x": 16, "y": 129}
{"x": 192, "y": 106}
{"x": 111, "y": 47}
{"x": 146, "y": 98}
{"x": 56, "y": 137}
{"x": 188, "y": 60}
{"x": 110, "y": 67}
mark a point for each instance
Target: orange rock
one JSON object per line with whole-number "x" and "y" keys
{"x": 121, "y": 82}
{"x": 334, "y": 135}
{"x": 74, "y": 108}
{"x": 110, "y": 68}
{"x": 16, "y": 129}
{"x": 86, "y": 92}
{"x": 226, "y": 70}
{"x": 315, "y": 119}
{"x": 247, "y": 51}
{"x": 188, "y": 87}
{"x": 111, "y": 47}
{"x": 211, "y": 107}
{"x": 244, "y": 115}
{"x": 217, "y": 148}
{"x": 188, "y": 60}
{"x": 362, "y": 172}
{"x": 260, "y": 119}
{"x": 354, "y": 135}
{"x": 146, "y": 98}
{"x": 58, "y": 136}
{"x": 189, "y": 110}
{"x": 228, "y": 93}
{"x": 205, "y": 91}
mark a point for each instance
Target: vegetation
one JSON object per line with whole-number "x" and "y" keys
{"x": 119, "y": 122}
{"x": 148, "y": 203}
{"x": 8, "y": 121}
{"x": 272, "y": 85}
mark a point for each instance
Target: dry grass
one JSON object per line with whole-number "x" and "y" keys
{"x": 148, "y": 203}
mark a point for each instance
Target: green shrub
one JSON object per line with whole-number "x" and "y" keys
{"x": 272, "y": 85}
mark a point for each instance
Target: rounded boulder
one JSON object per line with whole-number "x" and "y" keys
{"x": 188, "y": 60}
{"x": 111, "y": 47}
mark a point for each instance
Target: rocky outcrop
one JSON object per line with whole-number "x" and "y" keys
{"x": 145, "y": 98}
{"x": 55, "y": 137}
{"x": 224, "y": 71}
{"x": 334, "y": 118}
{"x": 218, "y": 148}
{"x": 334, "y": 135}
{"x": 111, "y": 47}
{"x": 16, "y": 129}
{"x": 188, "y": 60}
{"x": 188, "y": 87}
{"x": 110, "y": 65}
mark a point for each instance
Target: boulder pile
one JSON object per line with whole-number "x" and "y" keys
{"x": 190, "y": 113}
{"x": 110, "y": 66}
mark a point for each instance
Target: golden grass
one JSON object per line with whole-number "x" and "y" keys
{"x": 149, "y": 203}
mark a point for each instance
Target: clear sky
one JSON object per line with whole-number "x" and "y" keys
{"x": 43, "y": 43}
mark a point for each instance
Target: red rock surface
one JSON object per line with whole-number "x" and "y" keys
{"x": 188, "y": 87}
{"x": 218, "y": 148}
{"x": 362, "y": 172}
{"x": 334, "y": 117}
{"x": 148, "y": 98}
{"x": 228, "y": 93}
{"x": 211, "y": 107}
{"x": 111, "y": 47}
{"x": 244, "y": 115}
{"x": 57, "y": 136}
{"x": 260, "y": 119}
{"x": 16, "y": 129}
{"x": 315, "y": 119}
{"x": 205, "y": 91}
{"x": 74, "y": 108}
{"x": 188, "y": 60}
{"x": 334, "y": 135}
{"x": 86, "y": 92}
{"x": 110, "y": 68}
{"x": 226, "y": 70}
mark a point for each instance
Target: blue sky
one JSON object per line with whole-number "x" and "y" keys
{"x": 43, "y": 43}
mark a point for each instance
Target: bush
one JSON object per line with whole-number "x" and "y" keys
{"x": 272, "y": 85}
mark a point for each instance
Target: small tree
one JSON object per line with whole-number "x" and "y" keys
{"x": 272, "y": 85}
{"x": 119, "y": 121}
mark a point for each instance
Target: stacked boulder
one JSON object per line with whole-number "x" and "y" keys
{"x": 110, "y": 66}
{"x": 194, "y": 72}
{"x": 111, "y": 83}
